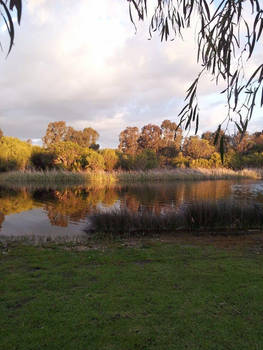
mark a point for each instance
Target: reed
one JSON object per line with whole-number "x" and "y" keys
{"x": 111, "y": 178}
{"x": 55, "y": 177}
{"x": 187, "y": 174}
{"x": 42, "y": 177}
{"x": 204, "y": 216}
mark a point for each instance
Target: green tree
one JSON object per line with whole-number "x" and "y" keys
{"x": 146, "y": 160}
{"x": 129, "y": 140}
{"x": 1, "y": 133}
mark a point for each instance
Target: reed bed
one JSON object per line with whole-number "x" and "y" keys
{"x": 222, "y": 217}
{"x": 54, "y": 177}
{"x": 42, "y": 177}
{"x": 188, "y": 174}
{"x": 108, "y": 179}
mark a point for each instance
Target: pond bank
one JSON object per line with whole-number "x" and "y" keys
{"x": 111, "y": 178}
{"x": 140, "y": 295}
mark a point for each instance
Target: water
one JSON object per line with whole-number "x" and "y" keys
{"x": 43, "y": 214}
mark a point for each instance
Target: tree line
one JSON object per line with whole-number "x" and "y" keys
{"x": 151, "y": 147}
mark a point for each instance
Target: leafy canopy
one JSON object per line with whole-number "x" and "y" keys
{"x": 227, "y": 38}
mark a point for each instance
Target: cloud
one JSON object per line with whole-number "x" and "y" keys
{"x": 81, "y": 62}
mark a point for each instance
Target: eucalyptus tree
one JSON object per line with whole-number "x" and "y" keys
{"x": 129, "y": 140}
{"x": 150, "y": 137}
{"x": 228, "y": 35}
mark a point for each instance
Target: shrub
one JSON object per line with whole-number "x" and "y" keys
{"x": 126, "y": 161}
{"x": 110, "y": 158}
{"x": 195, "y": 148}
{"x": 42, "y": 159}
{"x": 14, "y": 154}
{"x": 92, "y": 160}
{"x": 213, "y": 162}
{"x": 67, "y": 155}
{"x": 180, "y": 161}
{"x": 146, "y": 160}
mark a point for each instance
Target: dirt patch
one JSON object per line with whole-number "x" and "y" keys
{"x": 248, "y": 241}
{"x": 252, "y": 242}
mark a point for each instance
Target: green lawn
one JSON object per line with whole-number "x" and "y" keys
{"x": 153, "y": 296}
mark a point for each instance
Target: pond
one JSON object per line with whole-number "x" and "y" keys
{"x": 62, "y": 213}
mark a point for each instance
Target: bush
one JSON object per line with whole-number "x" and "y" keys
{"x": 196, "y": 148}
{"x": 41, "y": 159}
{"x": 180, "y": 161}
{"x": 146, "y": 160}
{"x": 92, "y": 160}
{"x": 67, "y": 155}
{"x": 126, "y": 161}
{"x": 14, "y": 154}
{"x": 213, "y": 162}
{"x": 110, "y": 158}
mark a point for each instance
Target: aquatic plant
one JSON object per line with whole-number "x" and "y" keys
{"x": 108, "y": 178}
{"x": 187, "y": 174}
{"x": 203, "y": 216}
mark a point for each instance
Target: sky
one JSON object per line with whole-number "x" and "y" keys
{"x": 82, "y": 62}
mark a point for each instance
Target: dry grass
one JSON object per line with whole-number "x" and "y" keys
{"x": 102, "y": 178}
{"x": 188, "y": 174}
{"x": 54, "y": 177}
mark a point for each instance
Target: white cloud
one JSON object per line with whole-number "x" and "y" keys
{"x": 81, "y": 62}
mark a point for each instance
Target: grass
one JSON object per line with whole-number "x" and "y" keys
{"x": 188, "y": 174}
{"x": 19, "y": 178}
{"x": 103, "y": 178}
{"x": 200, "y": 216}
{"x": 154, "y": 296}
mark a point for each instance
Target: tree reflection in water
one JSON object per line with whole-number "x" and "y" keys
{"x": 72, "y": 205}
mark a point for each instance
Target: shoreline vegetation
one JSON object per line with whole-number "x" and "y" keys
{"x": 201, "y": 218}
{"x": 17, "y": 178}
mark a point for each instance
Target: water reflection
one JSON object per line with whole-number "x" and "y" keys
{"x": 25, "y": 211}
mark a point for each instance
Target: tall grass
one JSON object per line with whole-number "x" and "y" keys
{"x": 122, "y": 177}
{"x": 188, "y": 174}
{"x": 213, "y": 217}
{"x": 53, "y": 177}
